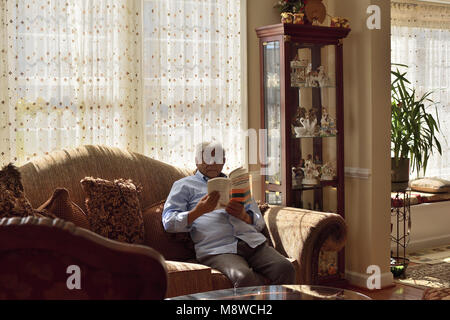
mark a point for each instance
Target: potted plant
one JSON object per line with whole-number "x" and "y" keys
{"x": 414, "y": 130}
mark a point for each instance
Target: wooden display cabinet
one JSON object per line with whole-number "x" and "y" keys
{"x": 302, "y": 109}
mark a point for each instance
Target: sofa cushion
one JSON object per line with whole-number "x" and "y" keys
{"x": 187, "y": 278}
{"x": 13, "y": 202}
{"x": 173, "y": 246}
{"x": 432, "y": 185}
{"x": 113, "y": 209}
{"x": 63, "y": 207}
{"x": 221, "y": 281}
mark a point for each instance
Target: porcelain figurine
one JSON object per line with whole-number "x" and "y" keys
{"x": 323, "y": 79}
{"x": 311, "y": 173}
{"x": 298, "y": 18}
{"x": 286, "y": 17}
{"x": 309, "y": 125}
{"x": 328, "y": 172}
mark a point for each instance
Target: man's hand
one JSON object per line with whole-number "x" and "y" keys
{"x": 237, "y": 210}
{"x": 206, "y": 204}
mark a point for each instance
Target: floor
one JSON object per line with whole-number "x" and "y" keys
{"x": 396, "y": 292}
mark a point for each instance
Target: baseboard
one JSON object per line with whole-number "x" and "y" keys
{"x": 427, "y": 243}
{"x": 360, "y": 279}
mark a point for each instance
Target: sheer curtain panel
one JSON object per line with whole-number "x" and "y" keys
{"x": 153, "y": 76}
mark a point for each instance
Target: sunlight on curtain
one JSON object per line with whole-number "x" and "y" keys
{"x": 192, "y": 79}
{"x": 421, "y": 40}
{"x": 69, "y": 75}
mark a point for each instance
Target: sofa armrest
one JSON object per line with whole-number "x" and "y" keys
{"x": 301, "y": 234}
{"x": 36, "y": 253}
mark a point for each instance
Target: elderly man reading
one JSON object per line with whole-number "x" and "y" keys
{"x": 230, "y": 239}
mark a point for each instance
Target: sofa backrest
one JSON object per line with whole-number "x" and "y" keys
{"x": 65, "y": 169}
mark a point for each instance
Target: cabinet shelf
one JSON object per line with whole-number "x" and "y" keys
{"x": 322, "y": 184}
{"x": 307, "y": 87}
{"x": 313, "y": 137}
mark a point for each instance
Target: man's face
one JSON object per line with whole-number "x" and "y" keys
{"x": 213, "y": 169}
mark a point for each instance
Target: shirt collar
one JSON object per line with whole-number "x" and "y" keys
{"x": 205, "y": 178}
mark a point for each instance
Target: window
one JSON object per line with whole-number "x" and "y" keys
{"x": 153, "y": 76}
{"x": 421, "y": 40}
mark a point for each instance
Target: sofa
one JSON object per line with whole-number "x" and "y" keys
{"x": 298, "y": 234}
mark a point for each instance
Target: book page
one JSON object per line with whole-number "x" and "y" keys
{"x": 222, "y": 185}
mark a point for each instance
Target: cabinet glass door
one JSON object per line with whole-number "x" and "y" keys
{"x": 272, "y": 117}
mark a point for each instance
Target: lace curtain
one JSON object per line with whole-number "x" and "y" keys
{"x": 125, "y": 73}
{"x": 192, "y": 79}
{"x": 421, "y": 39}
{"x": 70, "y": 73}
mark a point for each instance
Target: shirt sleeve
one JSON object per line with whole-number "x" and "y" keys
{"x": 255, "y": 213}
{"x": 175, "y": 213}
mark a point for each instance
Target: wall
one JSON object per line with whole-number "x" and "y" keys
{"x": 367, "y": 128}
{"x": 259, "y": 13}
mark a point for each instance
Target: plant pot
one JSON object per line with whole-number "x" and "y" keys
{"x": 399, "y": 174}
{"x": 398, "y": 266}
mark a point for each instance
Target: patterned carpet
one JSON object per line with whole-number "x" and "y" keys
{"x": 431, "y": 256}
{"x": 427, "y": 275}
{"x": 428, "y": 268}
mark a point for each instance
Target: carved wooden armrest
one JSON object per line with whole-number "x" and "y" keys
{"x": 35, "y": 254}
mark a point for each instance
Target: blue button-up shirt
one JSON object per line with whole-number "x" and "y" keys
{"x": 215, "y": 232}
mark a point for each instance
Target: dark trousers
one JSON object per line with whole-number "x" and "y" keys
{"x": 248, "y": 267}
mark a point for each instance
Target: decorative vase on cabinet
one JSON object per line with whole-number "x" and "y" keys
{"x": 302, "y": 110}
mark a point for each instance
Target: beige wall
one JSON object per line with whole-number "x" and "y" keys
{"x": 367, "y": 128}
{"x": 259, "y": 13}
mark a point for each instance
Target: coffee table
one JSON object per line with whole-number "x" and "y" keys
{"x": 284, "y": 292}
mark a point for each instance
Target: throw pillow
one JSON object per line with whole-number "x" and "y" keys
{"x": 113, "y": 209}
{"x": 63, "y": 207}
{"x": 431, "y": 185}
{"x": 173, "y": 246}
{"x": 13, "y": 202}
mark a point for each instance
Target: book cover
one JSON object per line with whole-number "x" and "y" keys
{"x": 236, "y": 187}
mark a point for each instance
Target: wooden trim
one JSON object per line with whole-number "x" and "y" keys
{"x": 285, "y": 84}
{"x": 304, "y": 33}
{"x": 263, "y": 139}
{"x": 340, "y": 143}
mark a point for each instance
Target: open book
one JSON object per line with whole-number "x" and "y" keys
{"x": 236, "y": 187}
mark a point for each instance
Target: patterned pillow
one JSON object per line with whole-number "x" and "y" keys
{"x": 113, "y": 209}
{"x": 13, "y": 202}
{"x": 62, "y": 207}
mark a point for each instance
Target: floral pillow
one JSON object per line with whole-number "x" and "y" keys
{"x": 113, "y": 209}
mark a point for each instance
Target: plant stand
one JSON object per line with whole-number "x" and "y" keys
{"x": 401, "y": 210}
